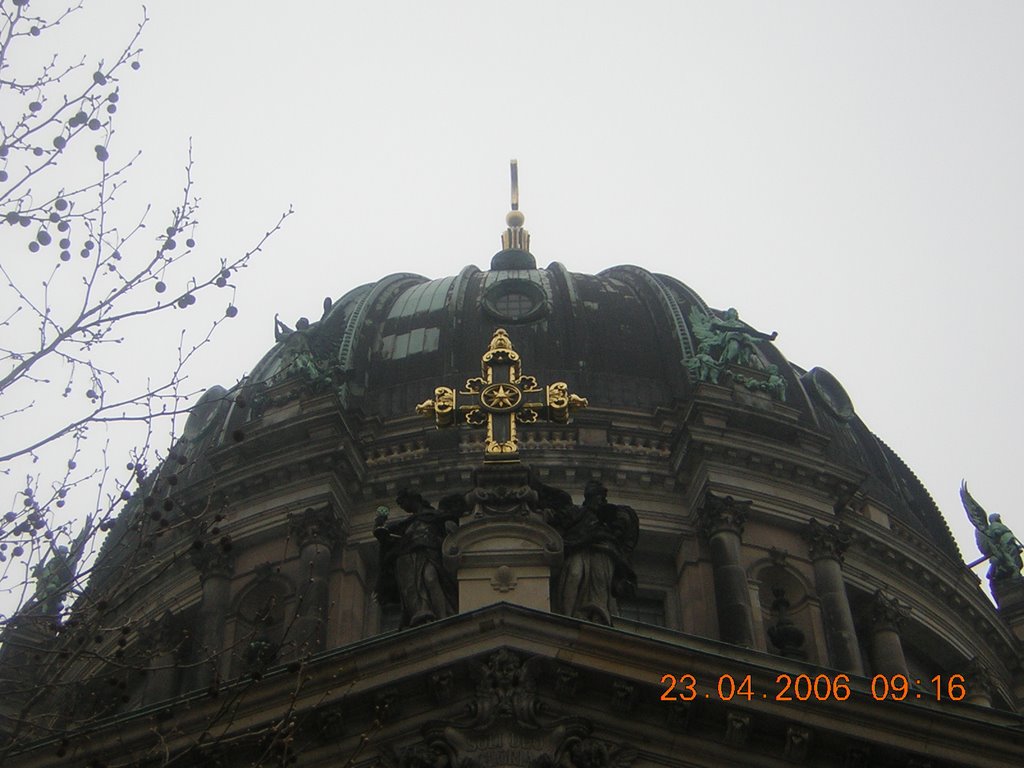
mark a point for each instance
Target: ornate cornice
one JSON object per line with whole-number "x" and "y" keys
{"x": 331, "y": 719}
{"x": 502, "y": 501}
{"x": 912, "y": 564}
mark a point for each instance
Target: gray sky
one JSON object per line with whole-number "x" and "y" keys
{"x": 848, "y": 174}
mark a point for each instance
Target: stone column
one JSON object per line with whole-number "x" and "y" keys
{"x": 347, "y": 617}
{"x": 827, "y": 545}
{"x": 721, "y": 522}
{"x": 318, "y": 533}
{"x": 885, "y": 615}
{"x": 215, "y": 564}
{"x": 979, "y": 682}
{"x": 163, "y": 637}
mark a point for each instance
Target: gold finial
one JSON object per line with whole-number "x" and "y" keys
{"x": 514, "y": 168}
{"x": 515, "y": 238}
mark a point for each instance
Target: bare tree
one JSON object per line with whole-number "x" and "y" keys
{"x": 84, "y": 281}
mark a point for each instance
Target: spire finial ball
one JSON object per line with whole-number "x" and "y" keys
{"x": 515, "y": 218}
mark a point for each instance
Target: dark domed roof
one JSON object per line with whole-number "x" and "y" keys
{"x": 624, "y": 338}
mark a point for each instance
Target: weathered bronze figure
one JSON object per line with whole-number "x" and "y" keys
{"x": 994, "y": 539}
{"x": 723, "y": 343}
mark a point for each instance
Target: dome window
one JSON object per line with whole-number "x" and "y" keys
{"x": 514, "y": 305}
{"x": 515, "y": 301}
{"x": 830, "y": 393}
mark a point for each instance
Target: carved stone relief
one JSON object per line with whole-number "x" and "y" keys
{"x": 506, "y": 725}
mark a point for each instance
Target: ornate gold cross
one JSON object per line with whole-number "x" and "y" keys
{"x": 500, "y": 398}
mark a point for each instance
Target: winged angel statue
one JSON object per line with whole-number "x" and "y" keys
{"x": 725, "y": 342}
{"x": 995, "y": 540}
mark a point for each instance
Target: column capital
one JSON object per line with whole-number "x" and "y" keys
{"x": 829, "y": 541}
{"x": 213, "y": 560}
{"x": 317, "y": 525}
{"x": 886, "y": 613}
{"x": 722, "y": 513}
{"x": 980, "y": 677}
{"x": 164, "y": 633}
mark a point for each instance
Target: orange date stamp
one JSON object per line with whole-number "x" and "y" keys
{"x": 820, "y": 687}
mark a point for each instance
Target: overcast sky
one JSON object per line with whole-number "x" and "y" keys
{"x": 847, "y": 174}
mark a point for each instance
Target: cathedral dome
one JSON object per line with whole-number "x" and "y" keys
{"x": 628, "y": 339}
{"x": 668, "y": 489}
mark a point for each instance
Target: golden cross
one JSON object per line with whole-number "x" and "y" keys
{"x": 500, "y": 398}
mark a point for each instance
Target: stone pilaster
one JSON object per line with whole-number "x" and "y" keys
{"x": 721, "y": 522}
{"x": 163, "y": 637}
{"x": 885, "y": 617}
{"x": 317, "y": 532}
{"x": 826, "y": 545}
{"x": 216, "y": 566}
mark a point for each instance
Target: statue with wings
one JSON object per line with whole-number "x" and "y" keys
{"x": 995, "y": 540}
{"x": 55, "y": 578}
{"x": 727, "y": 339}
{"x": 727, "y": 351}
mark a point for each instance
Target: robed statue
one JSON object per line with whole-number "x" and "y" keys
{"x": 411, "y": 568}
{"x": 598, "y": 539}
{"x": 995, "y": 540}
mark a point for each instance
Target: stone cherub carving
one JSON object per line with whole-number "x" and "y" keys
{"x": 411, "y": 568}
{"x": 507, "y": 724}
{"x": 599, "y": 538}
{"x": 994, "y": 539}
{"x": 506, "y": 690}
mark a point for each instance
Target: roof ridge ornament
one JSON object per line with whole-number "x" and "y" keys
{"x": 515, "y": 240}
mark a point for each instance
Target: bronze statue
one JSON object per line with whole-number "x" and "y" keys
{"x": 725, "y": 342}
{"x": 598, "y": 538}
{"x": 411, "y": 567}
{"x": 728, "y": 340}
{"x": 736, "y": 339}
{"x": 994, "y": 539}
{"x": 55, "y": 578}
{"x": 301, "y": 356}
